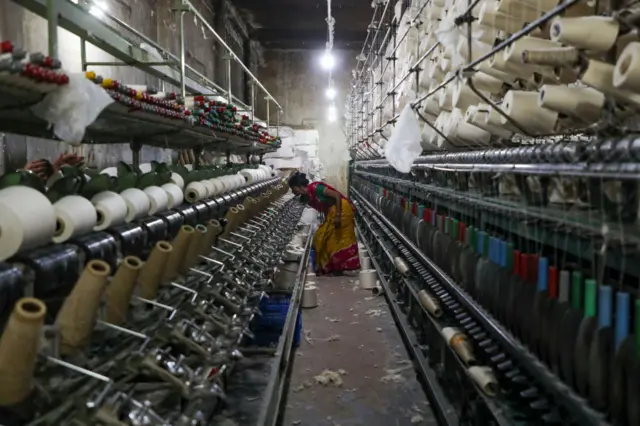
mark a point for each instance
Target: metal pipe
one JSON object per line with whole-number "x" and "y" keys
{"x": 253, "y": 102}
{"x": 52, "y": 27}
{"x": 83, "y": 54}
{"x": 183, "y": 90}
{"x": 228, "y": 49}
{"x": 411, "y": 70}
{"x": 395, "y": 49}
{"x": 77, "y": 369}
{"x": 364, "y": 46}
{"x": 509, "y": 209}
{"x": 267, "y": 99}
{"x": 126, "y": 64}
{"x": 620, "y": 153}
{"x": 228, "y": 59}
{"x": 375, "y": 36}
{"x": 170, "y": 55}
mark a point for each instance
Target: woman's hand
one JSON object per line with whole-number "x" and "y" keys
{"x": 67, "y": 160}
{"x": 337, "y": 221}
{"x": 39, "y": 167}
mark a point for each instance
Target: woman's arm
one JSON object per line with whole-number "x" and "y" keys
{"x": 336, "y": 196}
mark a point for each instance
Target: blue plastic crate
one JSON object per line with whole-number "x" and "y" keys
{"x": 268, "y": 327}
{"x": 312, "y": 260}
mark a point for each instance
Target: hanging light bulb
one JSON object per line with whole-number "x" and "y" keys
{"x": 327, "y": 61}
{"x": 331, "y": 93}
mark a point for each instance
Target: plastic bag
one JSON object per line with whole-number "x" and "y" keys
{"x": 404, "y": 144}
{"x": 73, "y": 107}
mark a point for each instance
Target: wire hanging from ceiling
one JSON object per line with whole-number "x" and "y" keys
{"x": 330, "y": 92}
{"x": 331, "y": 22}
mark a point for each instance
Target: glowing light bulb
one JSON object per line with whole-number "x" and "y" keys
{"x": 328, "y": 61}
{"x": 331, "y": 93}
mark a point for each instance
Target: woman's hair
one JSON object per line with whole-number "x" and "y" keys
{"x": 298, "y": 179}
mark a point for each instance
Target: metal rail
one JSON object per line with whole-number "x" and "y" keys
{"x": 562, "y": 394}
{"x": 271, "y": 406}
{"x": 544, "y": 226}
{"x": 629, "y": 171}
{"x": 73, "y": 18}
{"x": 230, "y": 52}
{"x": 443, "y": 409}
{"x": 402, "y": 309}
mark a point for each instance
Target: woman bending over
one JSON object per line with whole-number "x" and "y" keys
{"x": 334, "y": 243}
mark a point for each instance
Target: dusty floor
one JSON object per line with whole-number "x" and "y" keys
{"x": 352, "y": 369}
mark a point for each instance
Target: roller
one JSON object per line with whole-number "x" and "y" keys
{"x": 242, "y": 214}
{"x": 232, "y": 217}
{"x": 213, "y": 230}
{"x": 485, "y": 379}
{"x": 210, "y": 187}
{"x": 626, "y": 74}
{"x": 158, "y": 199}
{"x": 460, "y": 344}
{"x": 177, "y": 180}
{"x": 593, "y": 33}
{"x": 194, "y": 192}
{"x": 177, "y": 256}
{"x": 121, "y": 289}
{"x": 599, "y": 75}
{"x": 77, "y": 316}
{"x": 584, "y": 103}
{"x": 174, "y": 194}
{"x": 430, "y": 304}
{"x": 19, "y": 347}
{"x": 194, "y": 249}
{"x": 153, "y": 270}
{"x": 218, "y": 185}
{"x": 250, "y": 206}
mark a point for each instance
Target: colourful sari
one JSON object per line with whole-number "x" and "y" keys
{"x": 336, "y": 249}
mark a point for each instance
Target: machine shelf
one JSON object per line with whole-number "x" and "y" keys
{"x": 550, "y": 227}
{"x": 118, "y": 123}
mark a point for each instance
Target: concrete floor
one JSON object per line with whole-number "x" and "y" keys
{"x": 352, "y": 369}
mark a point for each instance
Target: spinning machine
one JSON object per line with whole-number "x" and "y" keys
{"x": 140, "y": 323}
{"x": 496, "y": 177}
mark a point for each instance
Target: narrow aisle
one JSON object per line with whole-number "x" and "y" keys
{"x": 352, "y": 369}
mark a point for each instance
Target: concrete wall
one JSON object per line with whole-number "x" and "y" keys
{"x": 153, "y": 18}
{"x": 297, "y": 81}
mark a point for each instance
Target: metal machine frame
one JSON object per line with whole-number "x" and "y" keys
{"x": 150, "y": 130}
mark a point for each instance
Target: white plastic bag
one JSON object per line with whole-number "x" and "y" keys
{"x": 404, "y": 144}
{"x": 73, "y": 107}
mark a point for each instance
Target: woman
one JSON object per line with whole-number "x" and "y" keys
{"x": 335, "y": 244}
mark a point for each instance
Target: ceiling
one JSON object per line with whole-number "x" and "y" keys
{"x": 301, "y": 24}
